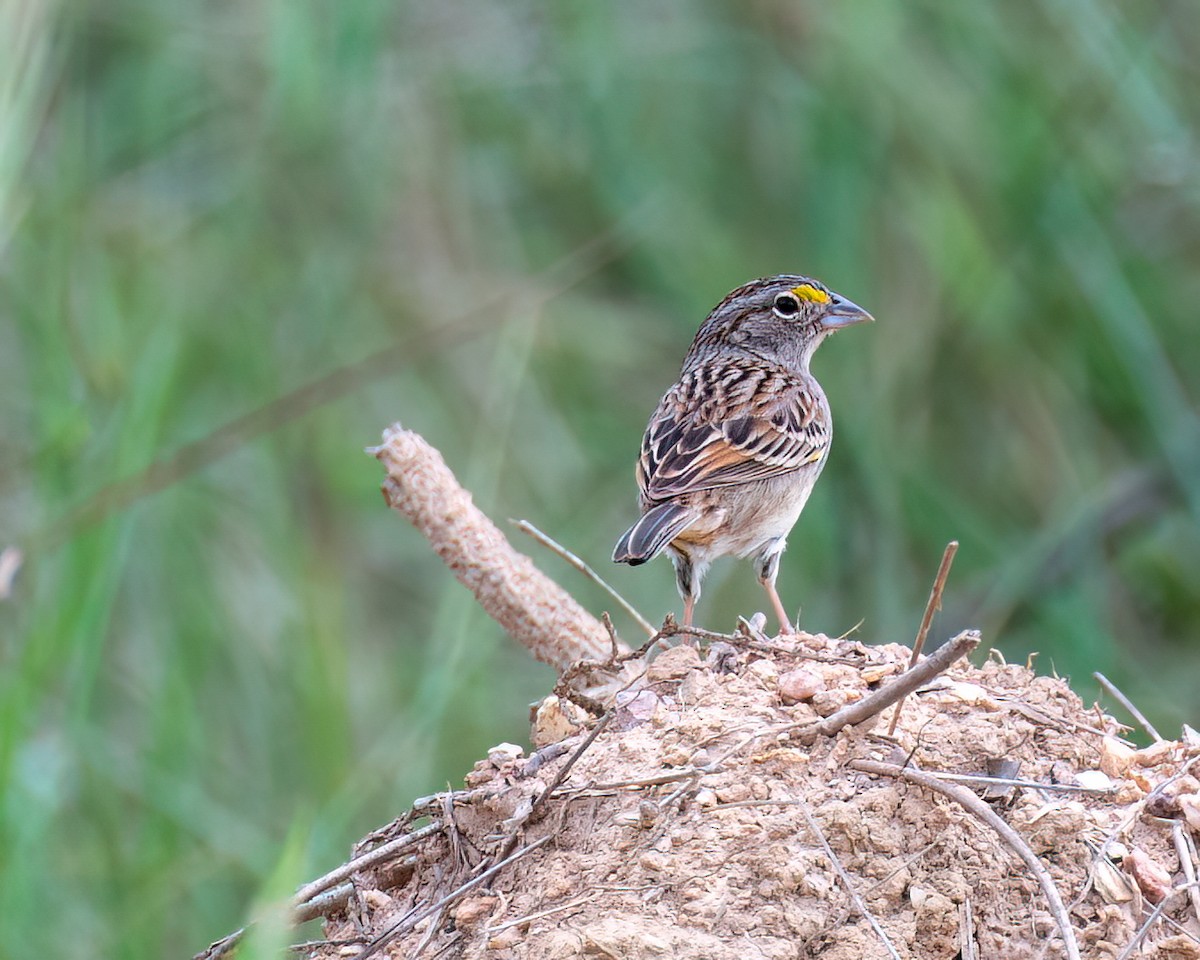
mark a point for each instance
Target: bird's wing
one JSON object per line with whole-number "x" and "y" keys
{"x": 728, "y": 424}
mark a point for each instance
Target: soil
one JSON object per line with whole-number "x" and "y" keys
{"x": 695, "y": 825}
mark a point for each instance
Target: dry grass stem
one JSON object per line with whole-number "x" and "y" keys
{"x": 1061, "y": 723}
{"x": 410, "y": 921}
{"x": 968, "y": 946}
{"x": 330, "y": 893}
{"x": 981, "y": 811}
{"x": 557, "y": 548}
{"x": 380, "y": 854}
{"x": 308, "y": 946}
{"x": 565, "y": 770}
{"x": 1144, "y": 929}
{"x": 530, "y": 917}
{"x": 1128, "y": 704}
{"x": 533, "y": 609}
{"x": 1029, "y": 784}
{"x": 434, "y": 923}
{"x": 324, "y": 903}
{"x": 223, "y": 947}
{"x": 931, "y": 606}
{"x": 817, "y": 832}
{"x": 1185, "y": 849}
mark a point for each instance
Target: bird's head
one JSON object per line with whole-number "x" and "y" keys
{"x": 781, "y": 318}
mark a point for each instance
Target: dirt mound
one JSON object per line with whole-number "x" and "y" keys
{"x": 708, "y": 820}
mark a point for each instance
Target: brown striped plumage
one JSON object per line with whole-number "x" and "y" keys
{"x": 733, "y": 450}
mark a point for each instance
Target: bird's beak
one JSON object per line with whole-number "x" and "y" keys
{"x": 842, "y": 313}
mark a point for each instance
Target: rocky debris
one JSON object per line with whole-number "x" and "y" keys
{"x": 692, "y": 825}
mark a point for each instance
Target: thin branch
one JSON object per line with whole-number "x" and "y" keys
{"x": 607, "y": 789}
{"x": 1038, "y": 715}
{"x": 613, "y": 640}
{"x": 452, "y": 832}
{"x": 932, "y": 606}
{"x": 981, "y": 811}
{"x": 749, "y": 638}
{"x": 380, "y": 854}
{"x": 845, "y": 878}
{"x": 968, "y": 946}
{"x": 565, "y": 769}
{"x": 326, "y": 894}
{"x": 1144, "y": 929}
{"x": 308, "y": 946}
{"x": 221, "y": 948}
{"x": 324, "y": 903}
{"x": 671, "y": 628}
{"x": 1185, "y": 850}
{"x": 429, "y": 934}
{"x": 529, "y": 918}
{"x": 402, "y": 927}
{"x": 935, "y": 600}
{"x": 906, "y": 683}
{"x": 555, "y": 547}
{"x": 1029, "y": 784}
{"x": 1128, "y": 705}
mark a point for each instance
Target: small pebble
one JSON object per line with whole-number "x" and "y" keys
{"x": 798, "y": 685}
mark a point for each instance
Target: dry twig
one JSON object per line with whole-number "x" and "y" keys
{"x": 981, "y": 811}
{"x": 380, "y": 854}
{"x": 656, "y": 780}
{"x": 932, "y": 606}
{"x": 1128, "y": 705}
{"x": 549, "y": 912}
{"x": 402, "y": 927}
{"x": 557, "y": 548}
{"x": 1046, "y": 718}
{"x": 750, "y": 638}
{"x": 325, "y": 903}
{"x": 1184, "y": 849}
{"x": 906, "y": 683}
{"x": 968, "y": 946}
{"x": 1028, "y": 784}
{"x": 329, "y": 893}
{"x": 1144, "y": 929}
{"x": 561, "y": 776}
{"x": 221, "y": 948}
{"x": 845, "y": 878}
{"x": 434, "y": 923}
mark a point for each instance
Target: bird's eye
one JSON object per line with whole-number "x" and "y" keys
{"x": 786, "y": 305}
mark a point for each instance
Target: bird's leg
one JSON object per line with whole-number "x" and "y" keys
{"x": 687, "y": 578}
{"x": 785, "y": 625}
{"x": 768, "y": 570}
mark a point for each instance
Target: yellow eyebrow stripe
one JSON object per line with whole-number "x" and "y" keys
{"x": 806, "y": 291}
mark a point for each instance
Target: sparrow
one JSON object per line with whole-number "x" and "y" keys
{"x": 733, "y": 449}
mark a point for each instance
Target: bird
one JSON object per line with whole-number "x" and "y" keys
{"x": 732, "y": 451}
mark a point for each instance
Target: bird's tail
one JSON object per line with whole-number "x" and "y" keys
{"x": 646, "y": 539}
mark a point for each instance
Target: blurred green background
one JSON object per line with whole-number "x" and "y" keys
{"x": 237, "y": 240}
